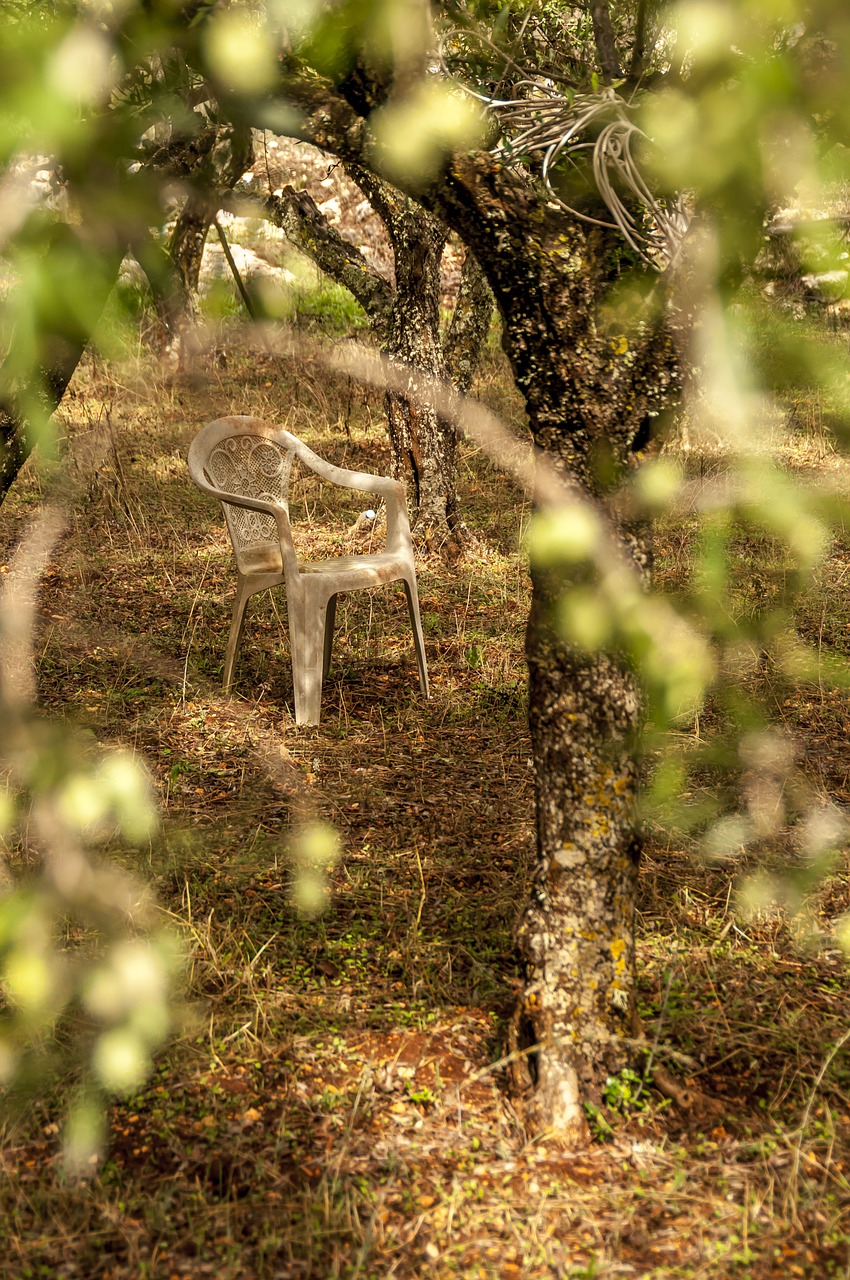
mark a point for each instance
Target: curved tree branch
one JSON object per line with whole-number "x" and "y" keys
{"x": 304, "y": 224}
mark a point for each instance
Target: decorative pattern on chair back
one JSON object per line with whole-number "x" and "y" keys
{"x": 254, "y": 467}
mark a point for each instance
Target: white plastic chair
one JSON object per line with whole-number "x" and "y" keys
{"x": 246, "y": 463}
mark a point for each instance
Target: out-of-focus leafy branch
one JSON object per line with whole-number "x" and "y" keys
{"x": 748, "y": 110}
{"x": 107, "y": 100}
{"x": 84, "y": 957}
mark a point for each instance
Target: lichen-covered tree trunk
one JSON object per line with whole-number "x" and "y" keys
{"x": 423, "y": 445}
{"x": 575, "y": 1017}
{"x": 466, "y": 335}
{"x": 590, "y": 388}
{"x": 186, "y": 246}
{"x": 405, "y": 317}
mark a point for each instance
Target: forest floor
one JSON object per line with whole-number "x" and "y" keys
{"x": 335, "y": 1105}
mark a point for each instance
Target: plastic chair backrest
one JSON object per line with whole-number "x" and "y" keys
{"x": 253, "y": 466}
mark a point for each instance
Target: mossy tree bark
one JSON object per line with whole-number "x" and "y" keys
{"x": 590, "y": 390}
{"x": 464, "y": 339}
{"x": 423, "y": 444}
{"x": 307, "y": 228}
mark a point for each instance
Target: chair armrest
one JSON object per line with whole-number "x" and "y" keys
{"x": 392, "y": 491}
{"x": 363, "y": 481}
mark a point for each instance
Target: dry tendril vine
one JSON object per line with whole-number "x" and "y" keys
{"x": 541, "y": 120}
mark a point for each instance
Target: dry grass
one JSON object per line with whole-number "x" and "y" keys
{"x": 335, "y": 1106}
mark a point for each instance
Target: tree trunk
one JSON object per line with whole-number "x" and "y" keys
{"x": 591, "y": 387}
{"x": 186, "y": 246}
{"x": 575, "y": 1017}
{"x": 26, "y": 405}
{"x": 423, "y": 445}
{"x": 464, "y": 339}
{"x": 406, "y": 321}
{"x": 606, "y": 48}
{"x": 217, "y": 175}
{"x": 590, "y": 391}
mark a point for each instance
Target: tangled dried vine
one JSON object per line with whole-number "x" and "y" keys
{"x": 540, "y": 120}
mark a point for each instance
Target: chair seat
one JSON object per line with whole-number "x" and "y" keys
{"x": 337, "y": 564}
{"x": 351, "y": 572}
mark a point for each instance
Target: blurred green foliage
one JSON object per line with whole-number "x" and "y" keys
{"x": 104, "y": 107}
{"x": 85, "y": 963}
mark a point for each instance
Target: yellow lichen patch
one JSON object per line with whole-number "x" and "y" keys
{"x": 620, "y": 345}
{"x": 595, "y": 800}
{"x": 609, "y": 787}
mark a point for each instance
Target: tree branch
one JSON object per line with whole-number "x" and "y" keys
{"x": 305, "y": 226}
{"x": 331, "y": 122}
{"x": 643, "y": 46}
{"x": 234, "y": 270}
{"x": 388, "y": 202}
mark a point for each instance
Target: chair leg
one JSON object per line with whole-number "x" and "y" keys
{"x": 307, "y": 636}
{"x": 236, "y": 625}
{"x": 418, "y": 638}
{"x": 330, "y": 619}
